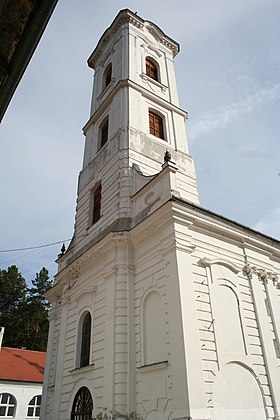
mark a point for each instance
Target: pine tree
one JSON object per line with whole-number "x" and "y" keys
{"x": 37, "y": 325}
{"x": 23, "y": 310}
{"x": 13, "y": 292}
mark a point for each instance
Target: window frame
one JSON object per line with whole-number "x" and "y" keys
{"x": 156, "y": 124}
{"x": 85, "y": 340}
{"x": 34, "y": 406}
{"x": 83, "y": 357}
{"x": 11, "y": 403}
{"x": 152, "y": 69}
{"x": 103, "y": 135}
{"x": 107, "y": 75}
{"x": 82, "y": 406}
{"x": 95, "y": 204}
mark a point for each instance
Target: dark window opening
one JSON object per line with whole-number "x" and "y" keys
{"x": 151, "y": 69}
{"x": 108, "y": 75}
{"x": 85, "y": 344}
{"x": 104, "y": 129}
{"x": 96, "y": 212}
{"x": 82, "y": 405}
{"x": 156, "y": 125}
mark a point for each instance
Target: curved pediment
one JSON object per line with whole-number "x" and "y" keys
{"x": 207, "y": 262}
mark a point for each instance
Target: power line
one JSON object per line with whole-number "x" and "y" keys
{"x": 35, "y": 247}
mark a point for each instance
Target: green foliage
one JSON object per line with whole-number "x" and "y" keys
{"x": 23, "y": 310}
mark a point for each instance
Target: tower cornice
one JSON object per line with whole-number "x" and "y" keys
{"x": 126, "y": 16}
{"x": 145, "y": 92}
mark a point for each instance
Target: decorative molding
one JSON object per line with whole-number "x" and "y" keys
{"x": 151, "y": 82}
{"x": 184, "y": 245}
{"x": 207, "y": 262}
{"x": 75, "y": 271}
{"x": 263, "y": 275}
{"x": 153, "y": 366}
{"x": 82, "y": 369}
{"x": 77, "y": 295}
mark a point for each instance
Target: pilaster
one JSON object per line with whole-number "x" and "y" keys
{"x": 45, "y": 395}
{"x": 188, "y": 391}
{"x": 60, "y": 356}
{"x": 192, "y": 344}
{"x": 266, "y": 338}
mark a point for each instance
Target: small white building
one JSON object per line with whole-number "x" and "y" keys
{"x": 21, "y": 382}
{"x": 161, "y": 309}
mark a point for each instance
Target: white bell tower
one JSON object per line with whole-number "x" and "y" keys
{"x": 108, "y": 322}
{"x": 161, "y": 310}
{"x": 135, "y": 118}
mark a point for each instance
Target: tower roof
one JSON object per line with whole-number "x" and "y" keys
{"x": 125, "y": 16}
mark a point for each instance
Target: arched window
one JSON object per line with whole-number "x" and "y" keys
{"x": 103, "y": 132}
{"x": 85, "y": 336}
{"x": 34, "y": 406}
{"x": 107, "y": 76}
{"x": 152, "y": 69}
{"x": 156, "y": 125}
{"x": 8, "y": 405}
{"x": 82, "y": 405}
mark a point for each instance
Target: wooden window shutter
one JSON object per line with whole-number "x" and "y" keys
{"x": 156, "y": 125}
{"x": 151, "y": 69}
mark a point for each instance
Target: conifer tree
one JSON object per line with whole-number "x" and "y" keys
{"x": 23, "y": 310}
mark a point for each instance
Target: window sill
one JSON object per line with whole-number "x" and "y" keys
{"x": 82, "y": 369}
{"x": 157, "y": 138}
{"x": 106, "y": 90}
{"x": 148, "y": 79}
{"x": 90, "y": 228}
{"x": 153, "y": 366}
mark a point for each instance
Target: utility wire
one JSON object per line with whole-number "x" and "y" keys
{"x": 34, "y": 247}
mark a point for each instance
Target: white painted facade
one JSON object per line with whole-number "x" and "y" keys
{"x": 184, "y": 303}
{"x": 23, "y": 392}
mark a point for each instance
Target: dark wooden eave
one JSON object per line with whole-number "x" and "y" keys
{"x": 22, "y": 23}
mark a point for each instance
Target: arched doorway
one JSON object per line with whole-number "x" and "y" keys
{"x": 82, "y": 405}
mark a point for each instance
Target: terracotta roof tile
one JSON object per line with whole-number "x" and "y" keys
{"x": 22, "y": 365}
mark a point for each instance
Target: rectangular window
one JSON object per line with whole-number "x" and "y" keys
{"x": 104, "y": 132}
{"x": 156, "y": 125}
{"x": 96, "y": 204}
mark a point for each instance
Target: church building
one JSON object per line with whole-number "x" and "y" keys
{"x": 161, "y": 309}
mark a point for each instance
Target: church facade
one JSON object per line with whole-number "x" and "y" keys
{"x": 160, "y": 309}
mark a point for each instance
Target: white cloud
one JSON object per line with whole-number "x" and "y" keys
{"x": 219, "y": 119}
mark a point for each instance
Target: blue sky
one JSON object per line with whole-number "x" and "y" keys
{"x": 228, "y": 75}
